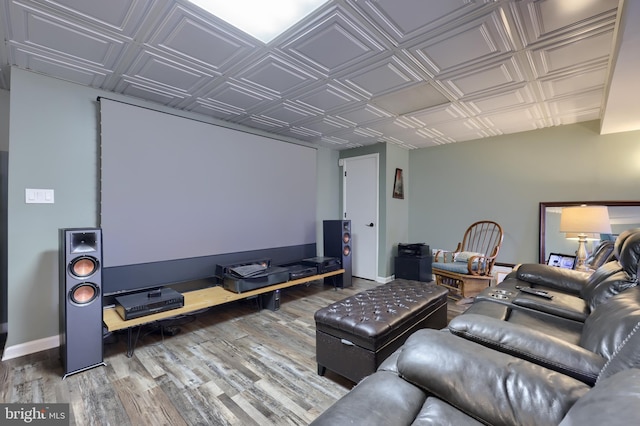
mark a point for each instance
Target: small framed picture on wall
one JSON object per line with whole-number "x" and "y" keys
{"x": 398, "y": 185}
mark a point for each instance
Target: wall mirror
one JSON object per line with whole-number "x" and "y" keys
{"x": 623, "y": 215}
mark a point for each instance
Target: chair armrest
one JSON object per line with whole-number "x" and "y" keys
{"x": 382, "y": 398}
{"x": 566, "y": 280}
{"x": 491, "y": 386}
{"x": 532, "y": 345}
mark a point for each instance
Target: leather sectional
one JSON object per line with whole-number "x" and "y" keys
{"x": 501, "y": 363}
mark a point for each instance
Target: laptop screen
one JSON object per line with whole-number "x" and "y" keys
{"x": 562, "y": 260}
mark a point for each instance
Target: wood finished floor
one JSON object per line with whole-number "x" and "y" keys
{"x": 230, "y": 365}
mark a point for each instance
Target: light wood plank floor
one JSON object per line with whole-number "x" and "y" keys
{"x": 230, "y": 365}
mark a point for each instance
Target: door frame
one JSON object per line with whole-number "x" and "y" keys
{"x": 345, "y": 160}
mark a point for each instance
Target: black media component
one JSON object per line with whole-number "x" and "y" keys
{"x": 323, "y": 264}
{"x": 247, "y": 276}
{"x": 137, "y": 305}
{"x": 298, "y": 271}
{"x": 414, "y": 268}
{"x": 224, "y": 269}
{"x": 414, "y": 250}
{"x": 80, "y": 291}
{"x": 337, "y": 243}
{"x": 271, "y": 300}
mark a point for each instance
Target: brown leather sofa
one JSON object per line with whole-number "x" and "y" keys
{"x": 508, "y": 365}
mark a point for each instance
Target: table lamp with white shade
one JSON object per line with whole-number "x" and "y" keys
{"x": 583, "y": 221}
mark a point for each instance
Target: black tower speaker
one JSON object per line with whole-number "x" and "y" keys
{"x": 80, "y": 265}
{"x": 337, "y": 243}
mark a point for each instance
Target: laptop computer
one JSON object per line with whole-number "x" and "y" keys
{"x": 562, "y": 260}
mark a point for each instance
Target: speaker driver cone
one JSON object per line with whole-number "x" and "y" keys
{"x": 346, "y": 251}
{"x": 83, "y": 293}
{"x": 83, "y": 267}
{"x": 346, "y": 237}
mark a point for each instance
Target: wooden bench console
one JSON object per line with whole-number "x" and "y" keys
{"x": 196, "y": 300}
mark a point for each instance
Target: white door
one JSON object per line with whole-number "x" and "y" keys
{"x": 360, "y": 191}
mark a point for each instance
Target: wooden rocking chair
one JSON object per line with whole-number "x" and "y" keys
{"x": 467, "y": 270}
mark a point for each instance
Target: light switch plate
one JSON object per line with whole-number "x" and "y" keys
{"x": 38, "y": 196}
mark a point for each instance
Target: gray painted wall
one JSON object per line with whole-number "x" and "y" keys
{"x": 504, "y": 178}
{"x": 54, "y": 141}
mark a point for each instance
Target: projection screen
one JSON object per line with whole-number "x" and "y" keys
{"x": 175, "y": 188}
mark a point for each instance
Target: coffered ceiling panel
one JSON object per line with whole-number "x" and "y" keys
{"x": 412, "y": 73}
{"x": 415, "y": 18}
{"x": 327, "y": 97}
{"x": 363, "y": 114}
{"x": 42, "y": 32}
{"x": 289, "y": 112}
{"x": 480, "y": 40}
{"x": 495, "y": 76}
{"x": 574, "y": 82}
{"x": 124, "y": 17}
{"x": 518, "y": 97}
{"x": 236, "y": 96}
{"x": 317, "y": 44}
{"x": 515, "y": 119}
{"x": 583, "y": 102}
{"x": 572, "y": 54}
{"x": 388, "y": 75}
{"x": 164, "y": 72}
{"x": 276, "y": 75}
{"x": 543, "y": 19}
{"x": 210, "y": 43}
{"x": 439, "y": 114}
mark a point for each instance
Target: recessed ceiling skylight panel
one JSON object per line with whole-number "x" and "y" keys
{"x": 262, "y": 19}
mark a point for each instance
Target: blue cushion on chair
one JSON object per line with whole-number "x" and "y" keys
{"x": 457, "y": 267}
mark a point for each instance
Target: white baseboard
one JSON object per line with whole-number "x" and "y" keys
{"x": 27, "y": 348}
{"x": 385, "y": 280}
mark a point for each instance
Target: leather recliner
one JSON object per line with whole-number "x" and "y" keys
{"x": 581, "y": 356}
{"x": 437, "y": 378}
{"x": 574, "y": 294}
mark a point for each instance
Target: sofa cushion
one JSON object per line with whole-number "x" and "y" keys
{"x": 611, "y": 322}
{"x": 612, "y": 402}
{"x": 626, "y": 356}
{"x": 530, "y": 344}
{"x": 490, "y": 386}
{"x": 438, "y": 413}
{"x": 607, "y": 288}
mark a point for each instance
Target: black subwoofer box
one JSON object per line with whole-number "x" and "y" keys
{"x": 414, "y": 268}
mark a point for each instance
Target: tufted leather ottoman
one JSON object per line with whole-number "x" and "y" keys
{"x": 354, "y": 335}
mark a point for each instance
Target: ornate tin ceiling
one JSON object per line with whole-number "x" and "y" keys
{"x": 416, "y": 73}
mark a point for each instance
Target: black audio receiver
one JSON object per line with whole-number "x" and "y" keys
{"x": 137, "y": 305}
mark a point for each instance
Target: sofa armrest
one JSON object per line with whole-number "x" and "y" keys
{"x": 567, "y": 280}
{"x": 491, "y": 386}
{"x": 532, "y": 345}
{"x": 382, "y": 398}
